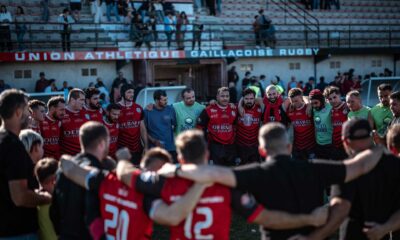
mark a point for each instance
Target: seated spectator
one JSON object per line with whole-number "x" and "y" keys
{"x": 76, "y": 7}
{"x": 45, "y": 172}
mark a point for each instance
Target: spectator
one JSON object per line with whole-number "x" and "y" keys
{"x": 112, "y": 6}
{"x": 168, "y": 7}
{"x": 76, "y": 7}
{"x": 122, "y": 8}
{"x": 169, "y": 27}
{"x": 5, "y": 34}
{"x": 64, "y": 86}
{"x": 181, "y": 25}
{"x": 315, "y": 4}
{"x": 66, "y": 29}
{"x": 246, "y": 80}
{"x": 264, "y": 83}
{"x": 45, "y": 10}
{"x": 198, "y": 4}
{"x": 309, "y": 86}
{"x": 42, "y": 83}
{"x": 211, "y": 7}
{"x": 357, "y": 83}
{"x": 144, "y": 9}
{"x": 347, "y": 83}
{"x": 292, "y": 84}
{"x": 103, "y": 90}
{"x": 322, "y": 84}
{"x": 52, "y": 86}
{"x": 115, "y": 95}
{"x": 3, "y": 86}
{"x": 19, "y": 200}
{"x": 97, "y": 10}
{"x": 275, "y": 82}
{"x": 266, "y": 29}
{"x": 136, "y": 25}
{"x": 232, "y": 92}
{"x": 158, "y": 8}
{"x": 152, "y": 24}
{"x": 197, "y": 31}
{"x": 256, "y": 29}
{"x": 145, "y": 34}
{"x": 233, "y": 76}
{"x": 219, "y": 6}
{"x": 45, "y": 173}
{"x": 20, "y": 27}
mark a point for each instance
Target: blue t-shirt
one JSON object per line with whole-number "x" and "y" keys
{"x": 160, "y": 125}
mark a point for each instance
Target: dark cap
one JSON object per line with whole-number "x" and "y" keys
{"x": 316, "y": 94}
{"x": 356, "y": 128}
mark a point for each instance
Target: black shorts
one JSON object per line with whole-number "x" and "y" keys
{"x": 248, "y": 154}
{"x": 75, "y": 6}
{"x": 303, "y": 154}
{"x": 324, "y": 151}
{"x": 222, "y": 154}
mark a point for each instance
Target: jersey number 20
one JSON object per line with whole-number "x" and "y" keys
{"x": 119, "y": 222}
{"x": 199, "y": 226}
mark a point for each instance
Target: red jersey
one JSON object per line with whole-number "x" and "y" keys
{"x": 122, "y": 211}
{"x": 129, "y": 127}
{"x": 211, "y": 217}
{"x": 304, "y": 135}
{"x": 248, "y": 126}
{"x": 113, "y": 129}
{"x": 50, "y": 130}
{"x": 219, "y": 123}
{"x": 93, "y": 115}
{"x": 339, "y": 116}
{"x": 70, "y": 125}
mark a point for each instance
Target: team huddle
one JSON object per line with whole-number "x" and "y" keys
{"x": 126, "y": 166}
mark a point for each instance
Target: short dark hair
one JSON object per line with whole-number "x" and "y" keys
{"x": 393, "y": 136}
{"x": 248, "y": 91}
{"x": 10, "y": 101}
{"x": 91, "y": 134}
{"x": 35, "y": 104}
{"x": 158, "y": 94}
{"x": 90, "y": 92}
{"x": 45, "y": 168}
{"x": 54, "y": 101}
{"x": 153, "y": 155}
{"x": 385, "y": 87}
{"x": 222, "y": 89}
{"x": 330, "y": 90}
{"x": 112, "y": 106}
{"x": 294, "y": 92}
{"x": 75, "y": 93}
{"x": 186, "y": 90}
{"x": 395, "y": 96}
{"x": 272, "y": 136}
{"x": 191, "y": 146}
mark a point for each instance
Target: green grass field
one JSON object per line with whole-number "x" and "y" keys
{"x": 240, "y": 230}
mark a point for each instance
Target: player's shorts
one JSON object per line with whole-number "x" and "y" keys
{"x": 303, "y": 154}
{"x": 248, "y": 154}
{"x": 222, "y": 154}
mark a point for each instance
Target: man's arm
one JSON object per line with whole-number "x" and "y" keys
{"x": 74, "y": 172}
{"x": 125, "y": 172}
{"x": 363, "y": 162}
{"x": 279, "y": 220}
{"x": 144, "y": 135}
{"x": 22, "y": 196}
{"x": 201, "y": 174}
{"x": 378, "y": 231}
{"x": 172, "y": 215}
{"x": 338, "y": 211}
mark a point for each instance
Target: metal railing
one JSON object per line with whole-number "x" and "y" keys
{"x": 302, "y": 16}
{"x": 40, "y": 36}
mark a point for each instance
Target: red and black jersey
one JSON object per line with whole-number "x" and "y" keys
{"x": 113, "y": 129}
{"x": 50, "y": 130}
{"x": 219, "y": 122}
{"x": 339, "y": 116}
{"x": 122, "y": 211}
{"x": 70, "y": 125}
{"x": 304, "y": 135}
{"x": 211, "y": 217}
{"x": 93, "y": 115}
{"x": 248, "y": 126}
{"x": 129, "y": 127}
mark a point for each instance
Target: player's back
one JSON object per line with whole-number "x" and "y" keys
{"x": 122, "y": 211}
{"x": 211, "y": 217}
